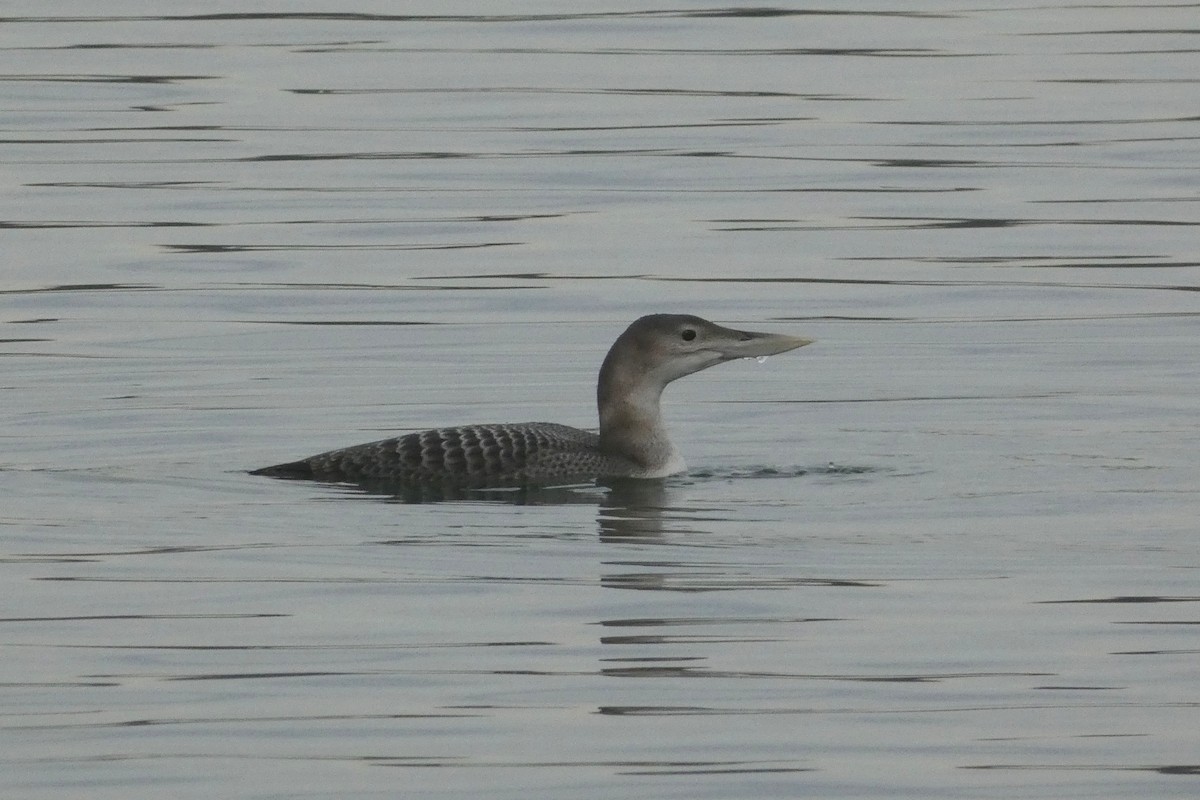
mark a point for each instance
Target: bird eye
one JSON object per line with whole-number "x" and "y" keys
{"x": 688, "y": 334}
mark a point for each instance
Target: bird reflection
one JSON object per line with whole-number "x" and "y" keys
{"x": 626, "y": 508}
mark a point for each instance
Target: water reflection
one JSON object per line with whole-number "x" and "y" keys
{"x": 626, "y": 509}
{"x": 633, "y": 510}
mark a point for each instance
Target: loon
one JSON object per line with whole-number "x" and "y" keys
{"x": 632, "y": 441}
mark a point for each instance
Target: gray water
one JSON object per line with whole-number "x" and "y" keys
{"x": 950, "y": 550}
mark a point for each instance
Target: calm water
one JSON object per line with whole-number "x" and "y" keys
{"x": 949, "y": 551}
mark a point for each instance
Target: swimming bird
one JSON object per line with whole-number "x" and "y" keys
{"x": 632, "y": 441}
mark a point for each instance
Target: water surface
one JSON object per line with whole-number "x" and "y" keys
{"x": 947, "y": 551}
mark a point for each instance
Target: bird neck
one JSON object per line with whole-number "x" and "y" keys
{"x": 631, "y": 423}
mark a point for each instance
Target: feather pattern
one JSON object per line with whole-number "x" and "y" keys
{"x": 479, "y": 455}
